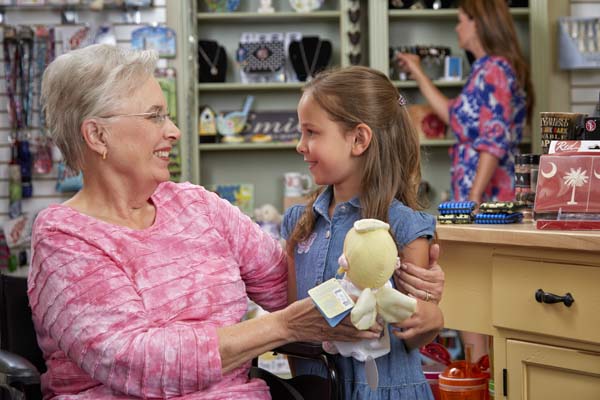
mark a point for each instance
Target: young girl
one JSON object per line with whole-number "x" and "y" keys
{"x": 360, "y": 145}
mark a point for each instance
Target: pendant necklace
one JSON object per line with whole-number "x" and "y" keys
{"x": 310, "y": 72}
{"x": 214, "y": 71}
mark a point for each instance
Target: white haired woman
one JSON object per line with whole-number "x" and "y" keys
{"x": 138, "y": 285}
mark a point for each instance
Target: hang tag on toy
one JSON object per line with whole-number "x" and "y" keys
{"x": 372, "y": 373}
{"x": 332, "y": 301}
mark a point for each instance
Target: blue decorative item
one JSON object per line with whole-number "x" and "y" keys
{"x": 233, "y": 123}
{"x": 222, "y": 5}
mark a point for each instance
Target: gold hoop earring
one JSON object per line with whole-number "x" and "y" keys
{"x": 104, "y": 155}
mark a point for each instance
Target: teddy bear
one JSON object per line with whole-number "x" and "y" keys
{"x": 368, "y": 262}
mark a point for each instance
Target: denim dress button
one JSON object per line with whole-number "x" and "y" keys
{"x": 328, "y": 234}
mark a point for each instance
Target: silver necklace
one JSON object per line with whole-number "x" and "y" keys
{"x": 310, "y": 72}
{"x": 214, "y": 71}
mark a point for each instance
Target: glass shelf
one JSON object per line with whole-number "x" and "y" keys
{"x": 289, "y": 16}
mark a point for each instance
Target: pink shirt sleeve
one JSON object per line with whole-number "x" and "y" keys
{"x": 88, "y": 305}
{"x": 263, "y": 263}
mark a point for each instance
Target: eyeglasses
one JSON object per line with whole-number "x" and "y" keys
{"x": 155, "y": 117}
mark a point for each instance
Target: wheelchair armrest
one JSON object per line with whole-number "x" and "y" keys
{"x": 302, "y": 350}
{"x": 16, "y": 369}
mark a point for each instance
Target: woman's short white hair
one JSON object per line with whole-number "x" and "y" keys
{"x": 90, "y": 82}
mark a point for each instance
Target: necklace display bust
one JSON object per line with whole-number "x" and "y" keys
{"x": 309, "y": 56}
{"x": 212, "y": 61}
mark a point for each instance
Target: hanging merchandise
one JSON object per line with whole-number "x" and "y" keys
{"x": 18, "y": 62}
{"x": 15, "y": 191}
{"x": 44, "y": 50}
{"x": 168, "y": 84}
{"x": 159, "y": 38}
{"x": 68, "y": 180}
{"x": 212, "y": 61}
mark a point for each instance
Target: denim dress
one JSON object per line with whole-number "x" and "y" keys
{"x": 400, "y": 373}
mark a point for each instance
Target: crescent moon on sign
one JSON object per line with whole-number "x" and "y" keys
{"x": 597, "y": 175}
{"x": 552, "y": 172}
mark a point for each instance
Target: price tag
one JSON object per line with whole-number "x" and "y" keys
{"x": 332, "y": 301}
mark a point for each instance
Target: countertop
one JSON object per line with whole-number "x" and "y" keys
{"x": 522, "y": 234}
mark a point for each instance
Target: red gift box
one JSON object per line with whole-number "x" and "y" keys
{"x": 568, "y": 187}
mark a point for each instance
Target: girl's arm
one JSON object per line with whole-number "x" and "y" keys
{"x": 422, "y": 283}
{"x": 423, "y": 326}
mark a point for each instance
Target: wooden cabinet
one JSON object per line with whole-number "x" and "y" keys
{"x": 540, "y": 372}
{"x": 541, "y": 351}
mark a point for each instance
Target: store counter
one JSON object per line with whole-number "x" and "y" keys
{"x": 493, "y": 273}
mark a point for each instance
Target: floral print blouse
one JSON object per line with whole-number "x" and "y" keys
{"x": 488, "y": 116}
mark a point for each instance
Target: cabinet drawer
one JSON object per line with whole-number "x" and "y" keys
{"x": 515, "y": 280}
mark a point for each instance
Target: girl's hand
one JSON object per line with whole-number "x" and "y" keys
{"x": 422, "y": 326}
{"x": 410, "y": 63}
{"x": 423, "y": 283}
{"x": 304, "y": 323}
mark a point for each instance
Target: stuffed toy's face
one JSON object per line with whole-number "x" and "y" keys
{"x": 371, "y": 253}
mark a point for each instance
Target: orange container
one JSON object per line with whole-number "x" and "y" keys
{"x": 463, "y": 381}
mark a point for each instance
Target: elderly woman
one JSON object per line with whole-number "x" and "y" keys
{"x": 138, "y": 285}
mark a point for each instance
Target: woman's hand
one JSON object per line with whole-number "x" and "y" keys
{"x": 306, "y": 324}
{"x": 423, "y": 283}
{"x": 422, "y": 327}
{"x": 410, "y": 63}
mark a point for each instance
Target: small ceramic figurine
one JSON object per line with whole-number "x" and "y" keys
{"x": 265, "y": 7}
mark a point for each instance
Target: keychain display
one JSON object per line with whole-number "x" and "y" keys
{"x": 44, "y": 50}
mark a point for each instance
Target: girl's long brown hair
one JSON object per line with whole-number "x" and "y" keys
{"x": 391, "y": 163}
{"x": 496, "y": 31}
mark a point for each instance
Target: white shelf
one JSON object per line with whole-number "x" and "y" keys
{"x": 290, "y": 16}
{"x": 245, "y": 146}
{"x": 438, "y": 83}
{"x": 237, "y": 86}
{"x": 448, "y": 13}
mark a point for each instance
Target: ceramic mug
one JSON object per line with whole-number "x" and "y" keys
{"x": 296, "y": 184}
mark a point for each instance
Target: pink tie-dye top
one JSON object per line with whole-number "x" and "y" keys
{"x": 123, "y": 313}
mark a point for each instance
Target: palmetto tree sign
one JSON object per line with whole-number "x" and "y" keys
{"x": 574, "y": 179}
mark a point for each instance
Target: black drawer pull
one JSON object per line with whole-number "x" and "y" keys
{"x": 550, "y": 298}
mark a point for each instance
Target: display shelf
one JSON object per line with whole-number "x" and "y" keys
{"x": 439, "y": 83}
{"x": 283, "y": 16}
{"x": 449, "y": 13}
{"x": 245, "y": 146}
{"x": 248, "y": 87}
